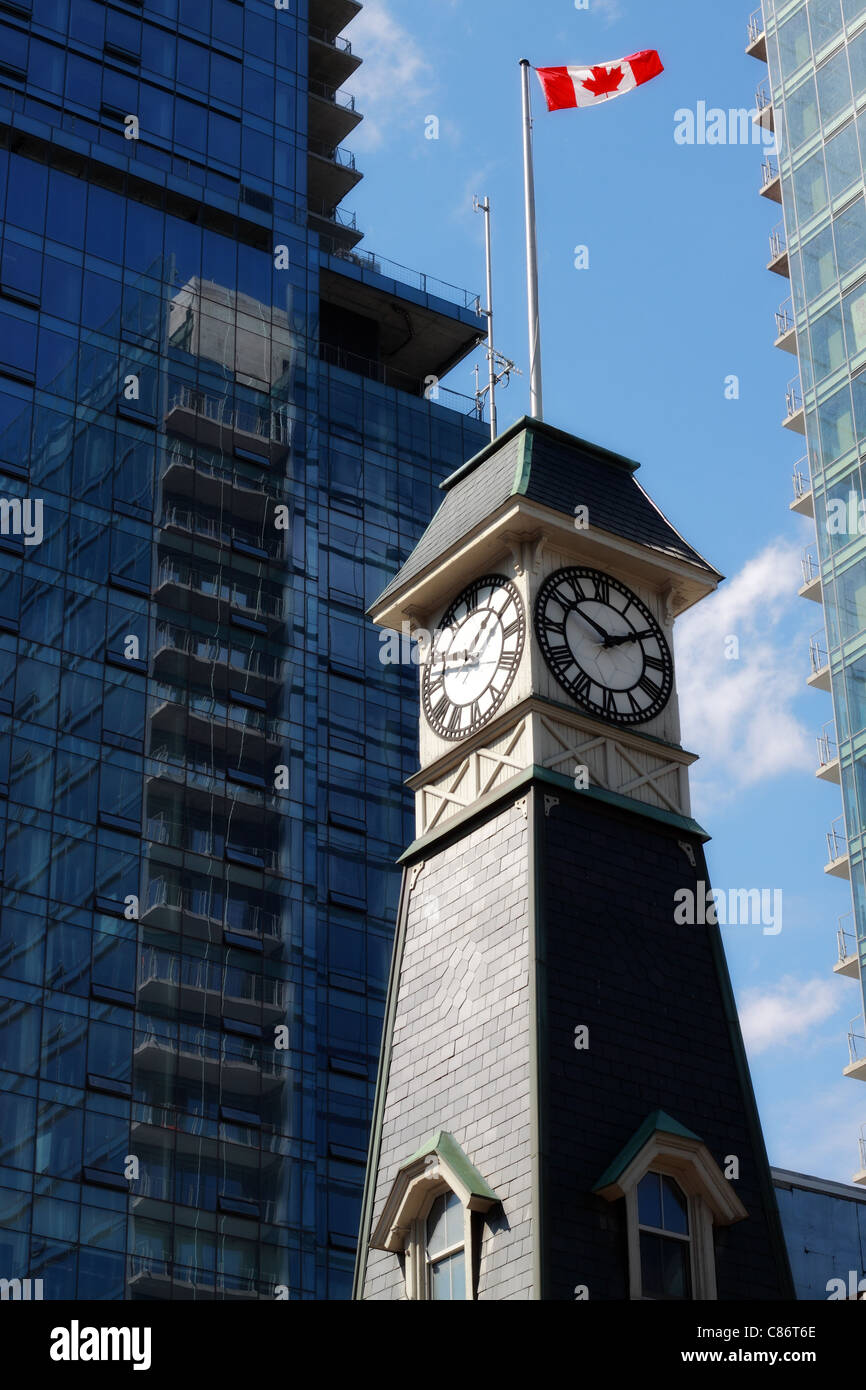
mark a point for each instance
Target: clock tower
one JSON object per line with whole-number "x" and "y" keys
{"x": 563, "y": 1109}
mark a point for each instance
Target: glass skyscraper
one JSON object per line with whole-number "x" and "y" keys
{"x": 816, "y": 101}
{"x": 220, "y": 433}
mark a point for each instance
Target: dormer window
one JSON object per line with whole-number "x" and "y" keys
{"x": 433, "y": 1219}
{"x": 675, "y": 1195}
{"x": 445, "y": 1248}
{"x": 665, "y": 1238}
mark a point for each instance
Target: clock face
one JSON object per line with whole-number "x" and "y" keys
{"x": 475, "y": 657}
{"x": 604, "y": 646}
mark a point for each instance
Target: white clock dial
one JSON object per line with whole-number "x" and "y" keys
{"x": 603, "y": 645}
{"x": 475, "y": 657}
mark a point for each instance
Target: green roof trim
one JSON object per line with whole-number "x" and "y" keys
{"x": 659, "y": 1122}
{"x": 524, "y": 464}
{"x": 447, "y": 1148}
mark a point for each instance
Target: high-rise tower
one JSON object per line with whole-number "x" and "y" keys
{"x": 815, "y": 101}
{"x": 564, "y": 1107}
{"x": 224, "y": 407}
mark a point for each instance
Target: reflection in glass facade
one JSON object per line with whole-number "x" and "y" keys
{"x": 220, "y": 404}
{"x": 816, "y": 50}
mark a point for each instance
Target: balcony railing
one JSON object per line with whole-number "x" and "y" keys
{"x": 763, "y": 96}
{"x": 837, "y": 842}
{"x": 173, "y": 572}
{"x": 338, "y": 155}
{"x": 794, "y": 398}
{"x": 828, "y": 749}
{"x": 334, "y": 94}
{"x": 244, "y": 417}
{"x": 756, "y": 26}
{"x": 857, "y": 1041}
{"x": 863, "y": 1149}
{"x": 334, "y": 40}
{"x": 336, "y": 356}
{"x": 427, "y": 284}
{"x": 846, "y": 939}
{"x": 785, "y": 318}
{"x": 778, "y": 242}
{"x": 769, "y": 172}
{"x": 801, "y": 480}
{"x": 819, "y": 657}
{"x": 810, "y": 567}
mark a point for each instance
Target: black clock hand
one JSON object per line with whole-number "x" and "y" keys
{"x": 587, "y": 619}
{"x": 628, "y": 637}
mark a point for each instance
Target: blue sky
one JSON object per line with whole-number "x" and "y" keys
{"x": 637, "y": 349}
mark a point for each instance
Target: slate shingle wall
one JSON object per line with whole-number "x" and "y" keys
{"x": 460, "y": 1055}
{"x": 649, "y": 992}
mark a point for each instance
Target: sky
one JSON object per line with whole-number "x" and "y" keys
{"x": 639, "y": 350}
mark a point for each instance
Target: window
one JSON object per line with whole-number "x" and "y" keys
{"x": 665, "y": 1244}
{"x": 444, "y": 1249}
{"x": 433, "y": 1216}
{"x": 675, "y": 1194}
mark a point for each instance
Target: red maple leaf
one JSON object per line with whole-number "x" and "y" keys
{"x": 604, "y": 82}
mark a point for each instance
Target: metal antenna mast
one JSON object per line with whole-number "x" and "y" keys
{"x": 499, "y": 368}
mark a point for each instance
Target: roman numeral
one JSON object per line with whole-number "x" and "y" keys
{"x": 512, "y": 630}
{"x": 439, "y": 710}
{"x": 455, "y": 719}
{"x": 654, "y": 663}
{"x": 581, "y": 687}
{"x": 608, "y": 701}
{"x": 602, "y": 588}
{"x": 649, "y": 687}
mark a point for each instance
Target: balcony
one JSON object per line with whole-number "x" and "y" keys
{"x": 168, "y": 981}
{"x": 860, "y": 1177}
{"x": 331, "y": 59}
{"x": 764, "y": 113}
{"x": 804, "y": 501}
{"x": 333, "y": 15}
{"x": 771, "y": 181}
{"x": 778, "y": 261}
{"x": 170, "y": 905}
{"x": 218, "y": 423}
{"x": 838, "y": 862}
{"x": 811, "y": 569}
{"x": 757, "y": 43}
{"x": 795, "y": 412}
{"x": 152, "y": 1278}
{"x": 829, "y": 769}
{"x": 181, "y": 586}
{"x": 331, "y": 175}
{"x": 414, "y": 327}
{"x": 819, "y": 663}
{"x": 340, "y": 226}
{"x": 332, "y": 114}
{"x": 848, "y": 960}
{"x": 857, "y": 1049}
{"x": 212, "y": 663}
{"x": 249, "y": 495}
{"x": 230, "y": 729}
{"x": 786, "y": 331}
{"x": 245, "y": 1071}
{"x": 190, "y": 521}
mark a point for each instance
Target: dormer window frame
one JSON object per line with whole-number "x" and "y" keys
{"x": 663, "y": 1146}
{"x": 438, "y": 1167}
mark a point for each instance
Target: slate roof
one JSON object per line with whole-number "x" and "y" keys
{"x": 657, "y": 1123}
{"x": 558, "y": 470}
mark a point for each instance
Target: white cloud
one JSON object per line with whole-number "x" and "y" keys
{"x": 394, "y": 80}
{"x": 739, "y": 714}
{"x": 781, "y": 1015}
{"x": 609, "y": 10}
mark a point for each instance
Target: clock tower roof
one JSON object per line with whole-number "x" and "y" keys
{"x": 547, "y": 474}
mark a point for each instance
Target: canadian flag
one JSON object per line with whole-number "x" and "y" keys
{"x": 571, "y": 86}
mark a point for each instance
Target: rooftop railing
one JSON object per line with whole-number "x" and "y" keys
{"x": 417, "y": 279}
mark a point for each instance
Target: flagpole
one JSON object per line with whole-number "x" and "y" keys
{"x": 536, "y": 407}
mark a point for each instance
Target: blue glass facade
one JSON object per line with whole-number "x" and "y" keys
{"x": 211, "y": 394}
{"x": 816, "y": 52}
